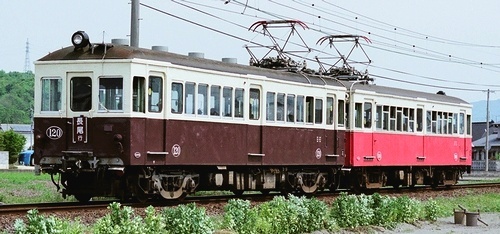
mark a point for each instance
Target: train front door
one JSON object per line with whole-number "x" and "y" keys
{"x": 78, "y": 109}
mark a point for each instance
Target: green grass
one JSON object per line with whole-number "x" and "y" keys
{"x": 17, "y": 187}
{"x": 489, "y": 202}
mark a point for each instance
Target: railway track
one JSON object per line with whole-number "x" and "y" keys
{"x": 19, "y": 209}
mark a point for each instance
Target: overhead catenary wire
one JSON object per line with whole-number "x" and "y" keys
{"x": 243, "y": 39}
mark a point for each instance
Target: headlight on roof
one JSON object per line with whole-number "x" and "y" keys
{"x": 80, "y": 39}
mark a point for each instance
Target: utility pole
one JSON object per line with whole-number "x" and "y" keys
{"x": 487, "y": 144}
{"x": 134, "y": 24}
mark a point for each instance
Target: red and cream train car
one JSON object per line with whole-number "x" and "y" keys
{"x": 404, "y": 137}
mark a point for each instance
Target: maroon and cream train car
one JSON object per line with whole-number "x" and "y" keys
{"x": 114, "y": 120}
{"x": 403, "y": 137}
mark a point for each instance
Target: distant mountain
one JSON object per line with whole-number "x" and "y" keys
{"x": 479, "y": 111}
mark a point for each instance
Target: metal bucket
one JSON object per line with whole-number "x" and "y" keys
{"x": 459, "y": 216}
{"x": 471, "y": 218}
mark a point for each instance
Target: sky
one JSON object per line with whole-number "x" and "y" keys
{"x": 425, "y": 45}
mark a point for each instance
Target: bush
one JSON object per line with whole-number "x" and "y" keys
{"x": 239, "y": 216}
{"x": 352, "y": 211}
{"x": 187, "y": 219}
{"x": 119, "y": 221}
{"x": 38, "y": 224}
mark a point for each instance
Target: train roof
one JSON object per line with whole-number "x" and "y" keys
{"x": 116, "y": 51}
{"x": 406, "y": 93}
{"x": 113, "y": 51}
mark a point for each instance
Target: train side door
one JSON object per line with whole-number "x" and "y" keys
{"x": 254, "y": 126}
{"x": 78, "y": 109}
{"x": 367, "y": 125}
{"x": 340, "y": 130}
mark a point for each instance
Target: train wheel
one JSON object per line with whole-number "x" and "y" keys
{"x": 82, "y": 197}
{"x": 334, "y": 185}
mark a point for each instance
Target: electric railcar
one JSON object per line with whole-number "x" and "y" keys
{"x": 119, "y": 121}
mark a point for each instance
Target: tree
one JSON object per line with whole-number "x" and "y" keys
{"x": 16, "y": 97}
{"x": 12, "y": 142}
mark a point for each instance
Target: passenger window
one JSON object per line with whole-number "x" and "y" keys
{"x": 329, "y": 110}
{"x": 469, "y": 131}
{"x": 81, "y": 93}
{"x": 455, "y": 122}
{"x": 51, "y": 94}
{"x": 155, "y": 94}
{"x": 254, "y": 112}
{"x": 239, "y": 95}
{"x": 300, "y": 109}
{"x": 341, "y": 113}
{"x": 399, "y": 118}
{"x": 280, "y": 107}
{"x": 189, "y": 98}
{"x": 429, "y": 121}
{"x": 392, "y": 121}
{"x": 290, "y": 108}
{"x": 385, "y": 124}
{"x": 406, "y": 118}
{"x": 450, "y": 123}
{"x": 270, "y": 106}
{"x": 138, "y": 94}
{"x": 358, "y": 113}
{"x": 110, "y": 94}
{"x": 309, "y": 109}
{"x": 411, "y": 127}
{"x": 379, "y": 117}
{"x": 227, "y": 95}
{"x": 461, "y": 123}
{"x": 202, "y": 99}
{"x": 368, "y": 115}
{"x": 177, "y": 97}
{"x": 215, "y": 100}
{"x": 420, "y": 124}
{"x": 318, "y": 111}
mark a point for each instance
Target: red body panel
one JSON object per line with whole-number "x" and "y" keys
{"x": 396, "y": 149}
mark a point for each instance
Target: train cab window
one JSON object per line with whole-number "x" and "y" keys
{"x": 318, "y": 111}
{"x": 300, "y": 109}
{"x": 358, "y": 115}
{"x": 155, "y": 94}
{"x": 110, "y": 94}
{"x": 215, "y": 100}
{"x": 280, "y": 107}
{"x": 329, "y": 110}
{"x": 455, "y": 123}
{"x": 309, "y": 109}
{"x": 51, "y": 94}
{"x": 81, "y": 93}
{"x": 270, "y": 106}
{"x": 290, "y": 108}
{"x": 367, "y": 115}
{"x": 138, "y": 96}
{"x": 202, "y": 99}
{"x": 177, "y": 98}
{"x": 227, "y": 95}
{"x": 420, "y": 124}
{"x": 254, "y": 112}
{"x": 189, "y": 98}
{"x": 239, "y": 101}
{"x": 341, "y": 113}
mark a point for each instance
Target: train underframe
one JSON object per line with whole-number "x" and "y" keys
{"x": 408, "y": 176}
{"x": 152, "y": 182}
{"x": 85, "y": 179}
